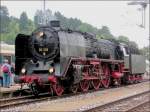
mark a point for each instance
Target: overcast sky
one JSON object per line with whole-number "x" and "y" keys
{"x": 122, "y": 19}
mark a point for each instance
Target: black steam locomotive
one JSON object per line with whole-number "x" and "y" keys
{"x": 55, "y": 60}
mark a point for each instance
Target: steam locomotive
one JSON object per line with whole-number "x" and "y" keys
{"x": 57, "y": 60}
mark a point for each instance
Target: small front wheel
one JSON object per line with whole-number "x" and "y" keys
{"x": 34, "y": 88}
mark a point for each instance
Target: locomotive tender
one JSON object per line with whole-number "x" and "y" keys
{"x": 55, "y": 60}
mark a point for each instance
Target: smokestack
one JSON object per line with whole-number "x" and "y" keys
{"x": 55, "y": 23}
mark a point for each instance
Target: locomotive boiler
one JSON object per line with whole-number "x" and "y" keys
{"x": 56, "y": 59}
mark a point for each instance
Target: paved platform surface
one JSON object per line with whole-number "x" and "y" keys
{"x": 13, "y": 91}
{"x": 10, "y": 89}
{"x": 92, "y": 99}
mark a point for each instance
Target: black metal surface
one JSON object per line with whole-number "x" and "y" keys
{"x": 21, "y": 51}
{"x": 44, "y": 43}
{"x": 50, "y": 47}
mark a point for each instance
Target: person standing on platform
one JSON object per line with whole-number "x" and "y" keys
{"x": 1, "y": 77}
{"x": 12, "y": 74}
{"x": 6, "y": 69}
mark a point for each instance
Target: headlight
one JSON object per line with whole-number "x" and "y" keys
{"x": 51, "y": 70}
{"x": 39, "y": 34}
{"x": 23, "y": 70}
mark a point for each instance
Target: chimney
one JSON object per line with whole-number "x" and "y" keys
{"x": 55, "y": 24}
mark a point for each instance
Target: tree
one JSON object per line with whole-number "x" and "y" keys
{"x": 31, "y": 26}
{"x": 4, "y": 19}
{"x": 84, "y": 27}
{"x": 105, "y": 33}
{"x": 134, "y": 44}
{"x": 13, "y": 31}
{"x": 71, "y": 23}
{"x": 38, "y": 18}
{"x": 23, "y": 22}
{"x": 42, "y": 18}
{"x": 123, "y": 39}
{"x": 76, "y": 23}
{"x": 145, "y": 52}
{"x": 63, "y": 20}
{"x": 49, "y": 16}
{"x": 105, "y": 30}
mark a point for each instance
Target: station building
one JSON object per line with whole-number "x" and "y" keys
{"x": 7, "y": 52}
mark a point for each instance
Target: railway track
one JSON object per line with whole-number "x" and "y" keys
{"x": 5, "y": 102}
{"x": 121, "y": 105}
{"x": 12, "y": 102}
{"x": 139, "y": 108}
{"x": 17, "y": 101}
{"x": 8, "y": 103}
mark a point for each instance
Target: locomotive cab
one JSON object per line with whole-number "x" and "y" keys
{"x": 134, "y": 61}
{"x": 124, "y": 49}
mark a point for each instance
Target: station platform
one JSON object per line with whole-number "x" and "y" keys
{"x": 12, "y": 90}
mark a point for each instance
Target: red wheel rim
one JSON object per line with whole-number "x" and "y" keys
{"x": 74, "y": 88}
{"x": 106, "y": 76}
{"x": 96, "y": 84}
{"x": 84, "y": 85}
{"x": 58, "y": 89}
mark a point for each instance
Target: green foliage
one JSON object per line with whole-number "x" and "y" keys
{"x": 30, "y": 27}
{"x": 62, "y": 19}
{"x": 123, "y": 39}
{"x": 71, "y": 23}
{"x": 15, "y": 26}
{"x": 84, "y": 27}
{"x": 13, "y": 30}
{"x": 23, "y": 23}
{"x": 41, "y": 18}
{"x": 105, "y": 33}
{"x": 133, "y": 44}
{"x": 75, "y": 24}
{"x": 38, "y": 18}
{"x": 4, "y": 19}
{"x": 146, "y": 52}
{"x": 26, "y": 26}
